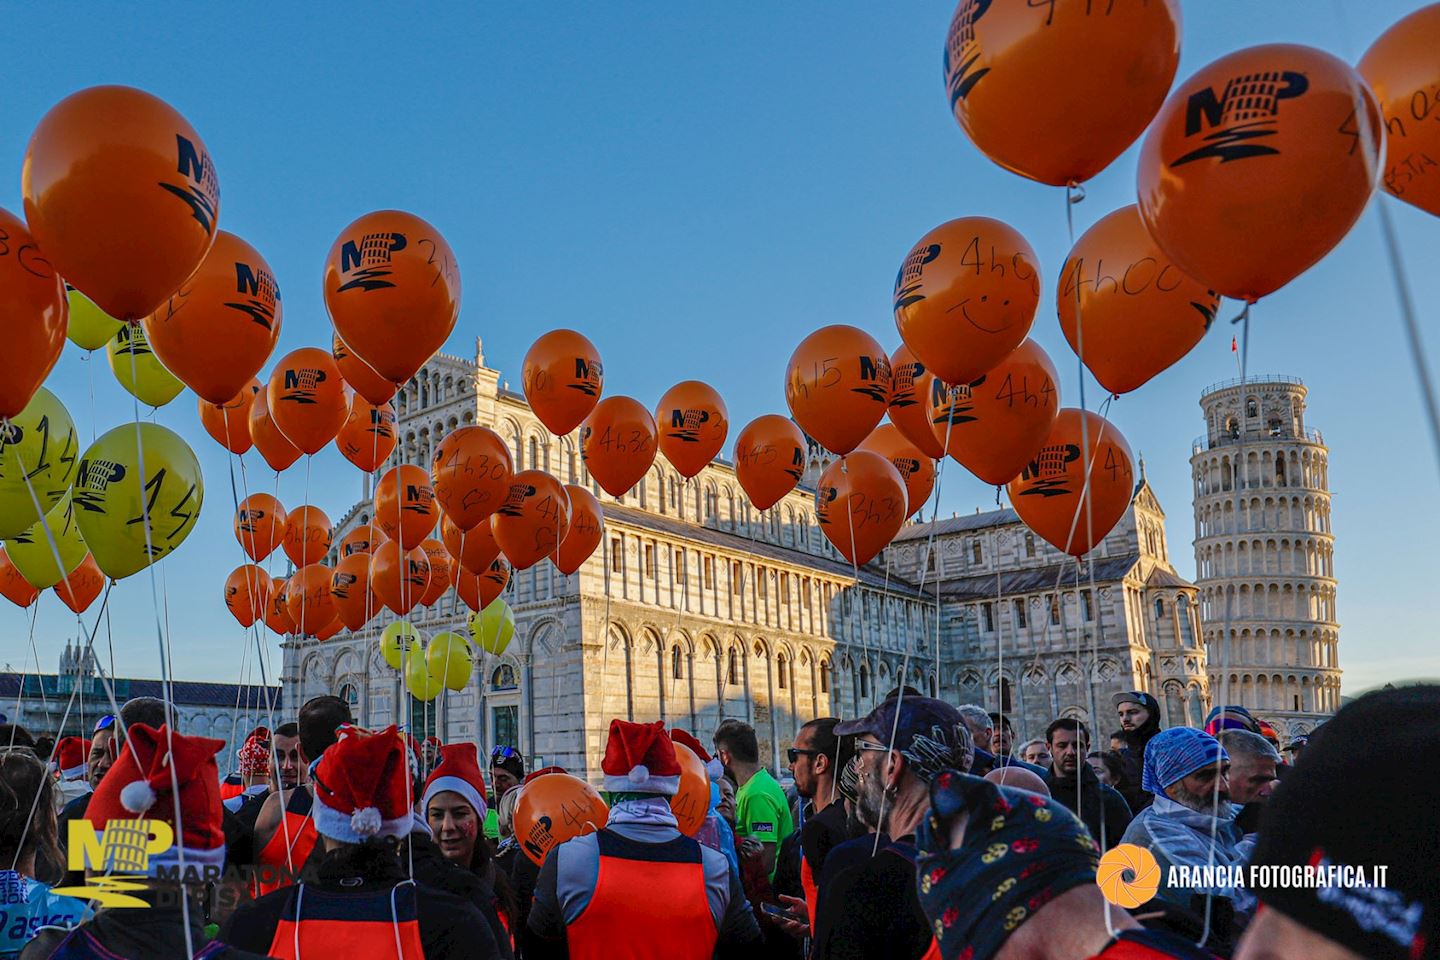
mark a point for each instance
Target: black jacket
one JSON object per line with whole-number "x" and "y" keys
{"x": 1098, "y": 803}
{"x": 433, "y": 870}
{"x": 149, "y": 933}
{"x": 449, "y": 926}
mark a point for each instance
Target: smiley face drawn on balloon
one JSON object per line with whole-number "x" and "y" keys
{"x": 995, "y": 320}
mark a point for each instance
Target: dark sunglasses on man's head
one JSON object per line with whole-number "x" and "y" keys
{"x": 105, "y": 722}
{"x": 795, "y": 753}
{"x": 502, "y": 753}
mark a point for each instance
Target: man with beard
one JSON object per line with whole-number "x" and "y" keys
{"x": 872, "y": 909}
{"x": 1072, "y": 781}
{"x": 1190, "y": 827}
{"x": 1254, "y": 765}
{"x": 1139, "y": 714}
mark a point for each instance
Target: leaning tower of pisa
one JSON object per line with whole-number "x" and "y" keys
{"x": 1265, "y": 553}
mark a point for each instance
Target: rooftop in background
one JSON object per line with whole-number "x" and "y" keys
{"x": 187, "y": 693}
{"x": 1251, "y": 381}
{"x": 958, "y": 524}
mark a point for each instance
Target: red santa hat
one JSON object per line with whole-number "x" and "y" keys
{"x": 434, "y": 741}
{"x": 714, "y": 769}
{"x": 459, "y": 772}
{"x": 71, "y": 758}
{"x": 142, "y": 786}
{"x": 542, "y": 772}
{"x": 639, "y": 758}
{"x": 361, "y": 786}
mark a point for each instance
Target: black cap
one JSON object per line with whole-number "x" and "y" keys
{"x": 929, "y": 733}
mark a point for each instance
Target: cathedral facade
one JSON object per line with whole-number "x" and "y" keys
{"x": 696, "y": 607}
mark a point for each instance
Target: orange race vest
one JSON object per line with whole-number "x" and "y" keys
{"x": 300, "y": 829}
{"x": 357, "y": 926}
{"x": 812, "y": 892}
{"x": 228, "y": 789}
{"x": 649, "y": 903}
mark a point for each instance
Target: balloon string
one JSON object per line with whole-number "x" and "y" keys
{"x": 64, "y": 719}
{"x": 162, "y": 640}
{"x": 1411, "y": 324}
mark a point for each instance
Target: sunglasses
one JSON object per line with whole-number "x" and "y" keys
{"x": 503, "y": 753}
{"x": 864, "y": 745}
{"x": 794, "y": 753}
{"x": 104, "y": 723}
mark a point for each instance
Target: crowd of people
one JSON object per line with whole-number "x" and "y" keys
{"x": 920, "y": 830}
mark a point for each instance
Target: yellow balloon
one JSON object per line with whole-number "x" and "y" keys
{"x": 493, "y": 627}
{"x": 449, "y": 658}
{"x": 117, "y": 503}
{"x": 401, "y": 641}
{"x": 38, "y": 445}
{"x": 137, "y": 368}
{"x": 33, "y": 551}
{"x": 418, "y": 681}
{"x": 90, "y": 327}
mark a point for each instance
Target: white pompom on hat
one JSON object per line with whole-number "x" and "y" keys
{"x": 360, "y": 785}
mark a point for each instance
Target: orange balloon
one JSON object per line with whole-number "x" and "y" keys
{"x": 474, "y": 549}
{"x": 34, "y": 313}
{"x": 217, "y": 330}
{"x": 1048, "y": 493}
{"x": 587, "y": 527}
{"x": 691, "y": 803}
{"x": 471, "y": 474}
{"x": 405, "y": 505}
{"x": 362, "y": 539}
{"x": 367, "y": 438}
{"x": 555, "y": 808}
{"x": 13, "y": 584}
{"x": 355, "y": 602}
{"x": 966, "y": 296}
{"x": 229, "y": 422}
{"x": 278, "y": 452}
{"x": 392, "y": 287}
{"x": 122, "y": 196}
{"x": 434, "y": 551}
{"x": 307, "y": 398}
{"x": 247, "y": 593}
{"x": 361, "y": 375}
{"x": 399, "y": 577}
{"x": 1140, "y": 313}
{"x": 479, "y": 590}
{"x": 534, "y": 519}
{"x": 1404, "y": 75}
{"x": 693, "y": 423}
{"x": 308, "y": 599}
{"x": 78, "y": 590}
{"x": 618, "y": 444}
{"x": 861, "y": 505}
{"x": 998, "y": 421}
{"x": 562, "y": 377}
{"x": 769, "y": 459}
{"x": 916, "y": 469}
{"x": 907, "y": 402}
{"x": 260, "y": 525}
{"x": 838, "y": 386}
{"x": 308, "y": 532}
{"x": 1104, "y": 73}
{"x": 277, "y": 615}
{"x": 1257, "y": 166}
{"x": 330, "y": 629}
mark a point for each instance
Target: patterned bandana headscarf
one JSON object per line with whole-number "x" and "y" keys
{"x": 1020, "y": 851}
{"x": 254, "y": 757}
{"x": 1176, "y": 753}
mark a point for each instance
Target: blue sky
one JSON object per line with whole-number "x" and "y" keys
{"x": 697, "y": 187}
